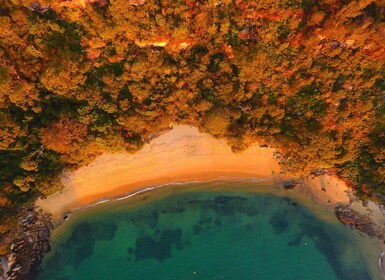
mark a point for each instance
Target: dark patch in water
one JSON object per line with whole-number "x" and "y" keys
{"x": 82, "y": 243}
{"x": 147, "y": 247}
{"x": 213, "y": 210}
{"x": 197, "y": 229}
{"x": 224, "y": 210}
{"x": 296, "y": 241}
{"x": 279, "y": 222}
{"x": 218, "y": 222}
{"x": 222, "y": 199}
{"x": 206, "y": 221}
{"x": 249, "y": 226}
{"x": 146, "y": 218}
{"x": 203, "y": 224}
{"x": 293, "y": 203}
{"x": 231, "y": 205}
{"x": 56, "y": 262}
{"x": 290, "y": 202}
{"x": 62, "y": 278}
{"x": 104, "y": 231}
{"x": 327, "y": 246}
{"x": 173, "y": 208}
{"x": 81, "y": 232}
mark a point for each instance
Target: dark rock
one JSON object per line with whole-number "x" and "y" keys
{"x": 361, "y": 222}
{"x": 291, "y": 185}
{"x": 30, "y": 242}
{"x": 37, "y": 7}
{"x": 320, "y": 172}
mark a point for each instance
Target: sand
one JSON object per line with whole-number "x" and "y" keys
{"x": 182, "y": 154}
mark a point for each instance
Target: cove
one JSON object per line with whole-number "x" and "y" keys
{"x": 199, "y": 233}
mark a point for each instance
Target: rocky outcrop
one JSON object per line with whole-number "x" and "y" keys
{"x": 291, "y": 185}
{"x": 363, "y": 223}
{"x": 31, "y": 241}
{"x": 3, "y": 268}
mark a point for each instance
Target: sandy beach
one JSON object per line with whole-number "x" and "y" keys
{"x": 182, "y": 154}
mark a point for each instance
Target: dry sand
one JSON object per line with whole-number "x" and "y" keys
{"x": 182, "y": 154}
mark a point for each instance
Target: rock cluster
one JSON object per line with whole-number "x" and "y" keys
{"x": 363, "y": 223}
{"x": 30, "y": 242}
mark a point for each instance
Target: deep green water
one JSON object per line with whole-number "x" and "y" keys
{"x": 204, "y": 235}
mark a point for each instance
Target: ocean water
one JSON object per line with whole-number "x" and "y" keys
{"x": 204, "y": 235}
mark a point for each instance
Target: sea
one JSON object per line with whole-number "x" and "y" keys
{"x": 213, "y": 230}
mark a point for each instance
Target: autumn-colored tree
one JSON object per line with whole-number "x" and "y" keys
{"x": 78, "y": 78}
{"x": 61, "y": 136}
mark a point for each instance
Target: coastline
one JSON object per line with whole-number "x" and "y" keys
{"x": 368, "y": 246}
{"x": 183, "y": 156}
{"x": 180, "y": 155}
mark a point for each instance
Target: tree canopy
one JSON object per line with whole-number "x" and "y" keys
{"x": 85, "y": 76}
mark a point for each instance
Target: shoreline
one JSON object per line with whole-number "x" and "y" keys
{"x": 156, "y": 187}
{"x": 303, "y": 193}
{"x": 182, "y": 155}
{"x": 263, "y": 186}
{"x": 380, "y": 264}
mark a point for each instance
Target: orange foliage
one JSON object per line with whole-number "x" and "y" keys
{"x": 63, "y": 135}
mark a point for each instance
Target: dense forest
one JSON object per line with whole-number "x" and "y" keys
{"x": 81, "y": 77}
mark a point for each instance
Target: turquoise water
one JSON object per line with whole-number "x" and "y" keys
{"x": 204, "y": 235}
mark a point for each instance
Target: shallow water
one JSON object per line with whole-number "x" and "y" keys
{"x": 205, "y": 235}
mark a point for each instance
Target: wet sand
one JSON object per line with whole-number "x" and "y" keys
{"x": 182, "y": 154}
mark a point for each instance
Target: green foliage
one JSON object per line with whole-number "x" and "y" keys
{"x": 3, "y": 74}
{"x": 283, "y": 31}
